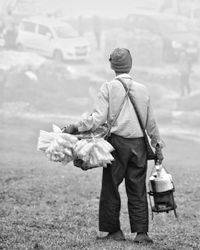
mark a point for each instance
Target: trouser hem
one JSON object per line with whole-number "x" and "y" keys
{"x": 139, "y": 230}
{"x": 109, "y": 230}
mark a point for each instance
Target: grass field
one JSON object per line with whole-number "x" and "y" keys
{"x": 47, "y": 206}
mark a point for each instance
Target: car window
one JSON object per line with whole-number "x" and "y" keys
{"x": 65, "y": 31}
{"x": 28, "y": 26}
{"x": 43, "y": 30}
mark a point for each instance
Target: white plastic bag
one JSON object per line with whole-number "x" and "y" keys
{"x": 56, "y": 145}
{"x": 94, "y": 152}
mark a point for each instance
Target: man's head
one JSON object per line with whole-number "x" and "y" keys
{"x": 121, "y": 60}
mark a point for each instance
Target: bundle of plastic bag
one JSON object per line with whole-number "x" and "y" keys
{"x": 56, "y": 145}
{"x": 94, "y": 152}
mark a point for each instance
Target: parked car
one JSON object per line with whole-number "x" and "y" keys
{"x": 177, "y": 33}
{"x": 52, "y": 38}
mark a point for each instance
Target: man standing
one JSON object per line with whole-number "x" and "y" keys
{"x": 97, "y": 31}
{"x": 10, "y": 31}
{"x": 130, "y": 152}
{"x": 184, "y": 68}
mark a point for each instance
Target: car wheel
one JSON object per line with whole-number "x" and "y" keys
{"x": 58, "y": 56}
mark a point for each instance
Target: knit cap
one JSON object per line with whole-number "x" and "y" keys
{"x": 121, "y": 60}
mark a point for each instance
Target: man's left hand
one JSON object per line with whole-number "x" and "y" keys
{"x": 159, "y": 154}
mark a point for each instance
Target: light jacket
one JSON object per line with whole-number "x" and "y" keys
{"x": 108, "y": 102}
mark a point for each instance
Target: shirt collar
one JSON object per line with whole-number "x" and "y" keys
{"x": 124, "y": 75}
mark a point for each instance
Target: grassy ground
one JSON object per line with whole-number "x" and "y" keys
{"x": 47, "y": 206}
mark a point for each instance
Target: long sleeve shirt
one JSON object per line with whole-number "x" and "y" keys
{"x": 109, "y": 100}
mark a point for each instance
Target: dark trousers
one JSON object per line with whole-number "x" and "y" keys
{"x": 130, "y": 164}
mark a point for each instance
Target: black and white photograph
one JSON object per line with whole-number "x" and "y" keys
{"x": 99, "y": 125}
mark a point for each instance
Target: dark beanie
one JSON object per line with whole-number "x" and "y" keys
{"x": 121, "y": 60}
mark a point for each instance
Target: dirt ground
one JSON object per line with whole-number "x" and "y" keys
{"x": 45, "y": 205}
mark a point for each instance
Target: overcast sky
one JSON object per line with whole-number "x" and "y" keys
{"x": 107, "y": 7}
{"x": 112, "y": 8}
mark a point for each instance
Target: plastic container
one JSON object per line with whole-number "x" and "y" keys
{"x": 160, "y": 181}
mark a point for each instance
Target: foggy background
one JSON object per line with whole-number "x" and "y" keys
{"x": 53, "y": 59}
{"x": 37, "y": 81}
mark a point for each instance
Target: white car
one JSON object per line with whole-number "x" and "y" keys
{"x": 52, "y": 38}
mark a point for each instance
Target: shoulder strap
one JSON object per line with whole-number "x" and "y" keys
{"x": 134, "y": 105}
{"x": 117, "y": 114}
{"x": 150, "y": 154}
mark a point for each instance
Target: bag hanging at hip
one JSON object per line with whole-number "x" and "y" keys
{"x": 150, "y": 153}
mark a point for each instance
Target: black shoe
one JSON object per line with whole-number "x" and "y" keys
{"x": 142, "y": 238}
{"x": 118, "y": 236}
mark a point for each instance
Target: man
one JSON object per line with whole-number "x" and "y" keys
{"x": 130, "y": 152}
{"x": 10, "y": 31}
{"x": 97, "y": 31}
{"x": 184, "y": 68}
